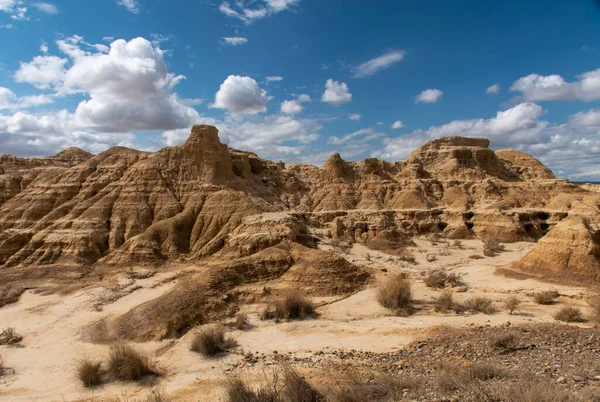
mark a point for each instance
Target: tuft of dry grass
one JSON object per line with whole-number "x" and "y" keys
{"x": 395, "y": 293}
{"x": 457, "y": 244}
{"x": 291, "y": 306}
{"x": 480, "y": 304}
{"x": 492, "y": 247}
{"x": 506, "y": 341}
{"x": 1, "y": 365}
{"x": 594, "y": 302}
{"x": 440, "y": 279}
{"x": 512, "y": 303}
{"x": 569, "y": 314}
{"x": 157, "y": 396}
{"x": 241, "y": 321}
{"x": 445, "y": 302}
{"x": 547, "y": 297}
{"x": 236, "y": 390}
{"x": 532, "y": 391}
{"x": 476, "y": 257}
{"x": 126, "y": 363}
{"x": 89, "y": 372}
{"x": 298, "y": 389}
{"x": 358, "y": 387}
{"x": 9, "y": 336}
{"x": 211, "y": 340}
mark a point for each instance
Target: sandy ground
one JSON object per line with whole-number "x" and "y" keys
{"x": 51, "y": 325}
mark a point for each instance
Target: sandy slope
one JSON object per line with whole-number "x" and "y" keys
{"x": 52, "y": 325}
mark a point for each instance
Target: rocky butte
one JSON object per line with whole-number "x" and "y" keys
{"x": 194, "y": 234}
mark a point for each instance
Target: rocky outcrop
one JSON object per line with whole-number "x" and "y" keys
{"x": 194, "y": 200}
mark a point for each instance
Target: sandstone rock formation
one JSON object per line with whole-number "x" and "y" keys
{"x": 192, "y": 201}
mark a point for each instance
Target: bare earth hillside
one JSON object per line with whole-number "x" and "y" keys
{"x": 150, "y": 248}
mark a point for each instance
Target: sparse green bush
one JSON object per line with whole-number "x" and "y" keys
{"x": 211, "y": 340}
{"x": 569, "y": 314}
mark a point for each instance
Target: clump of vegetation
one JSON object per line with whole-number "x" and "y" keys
{"x": 157, "y": 396}
{"x": 547, "y": 297}
{"x": 298, "y": 389}
{"x": 1, "y": 365}
{"x": 506, "y": 341}
{"x": 211, "y": 340}
{"x": 480, "y": 304}
{"x": 532, "y": 391}
{"x": 241, "y": 321}
{"x": 476, "y": 257}
{"x": 236, "y": 390}
{"x": 512, "y": 303}
{"x": 569, "y": 314}
{"x": 453, "y": 377}
{"x": 126, "y": 363}
{"x": 10, "y": 337}
{"x": 492, "y": 247}
{"x": 594, "y": 302}
{"x": 440, "y": 279}
{"x": 356, "y": 387}
{"x": 90, "y": 373}
{"x": 292, "y": 306}
{"x": 445, "y": 302}
{"x": 395, "y": 293}
{"x": 457, "y": 244}
{"x": 431, "y": 258}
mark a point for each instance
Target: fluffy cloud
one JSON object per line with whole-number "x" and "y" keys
{"x": 354, "y": 116}
{"x": 46, "y": 8}
{"x": 294, "y": 107}
{"x": 43, "y": 71}
{"x": 8, "y": 100}
{"x": 15, "y": 8}
{"x": 377, "y": 64}
{"x": 261, "y": 9}
{"x": 536, "y": 87}
{"x": 128, "y": 88}
{"x": 336, "y": 93}
{"x": 133, "y": 6}
{"x": 241, "y": 95}
{"x": 494, "y": 89}
{"x": 397, "y": 125}
{"x": 429, "y": 96}
{"x": 235, "y": 40}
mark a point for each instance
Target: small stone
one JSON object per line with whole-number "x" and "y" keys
{"x": 561, "y": 380}
{"x": 578, "y": 378}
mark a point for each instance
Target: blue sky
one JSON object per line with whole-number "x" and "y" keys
{"x": 299, "y": 79}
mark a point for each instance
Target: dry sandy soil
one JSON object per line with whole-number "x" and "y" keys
{"x": 42, "y": 367}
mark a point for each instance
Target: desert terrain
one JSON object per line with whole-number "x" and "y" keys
{"x": 459, "y": 274}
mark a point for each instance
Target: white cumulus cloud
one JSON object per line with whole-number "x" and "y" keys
{"x": 47, "y": 8}
{"x": 250, "y": 11}
{"x": 235, "y": 40}
{"x": 336, "y": 93}
{"x": 43, "y": 71}
{"x": 241, "y": 95}
{"x": 536, "y": 87}
{"x": 354, "y": 116}
{"x": 492, "y": 90}
{"x": 397, "y": 125}
{"x": 274, "y": 78}
{"x": 133, "y": 6}
{"x": 429, "y": 96}
{"x": 294, "y": 107}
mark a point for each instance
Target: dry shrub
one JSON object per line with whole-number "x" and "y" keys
{"x": 532, "y": 391}
{"x": 512, "y": 303}
{"x": 126, "y": 363}
{"x": 476, "y": 257}
{"x": 439, "y": 279}
{"x": 211, "y": 340}
{"x": 89, "y": 372}
{"x": 241, "y": 321}
{"x": 457, "y": 244}
{"x": 506, "y": 341}
{"x": 569, "y": 314}
{"x": 10, "y": 337}
{"x": 1, "y": 365}
{"x": 236, "y": 390}
{"x": 594, "y": 302}
{"x": 395, "y": 293}
{"x": 298, "y": 389}
{"x": 292, "y": 306}
{"x": 445, "y": 302}
{"x": 492, "y": 247}
{"x": 480, "y": 304}
{"x": 431, "y": 258}
{"x": 357, "y": 387}
{"x": 471, "y": 379}
{"x": 157, "y": 396}
{"x": 547, "y": 297}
